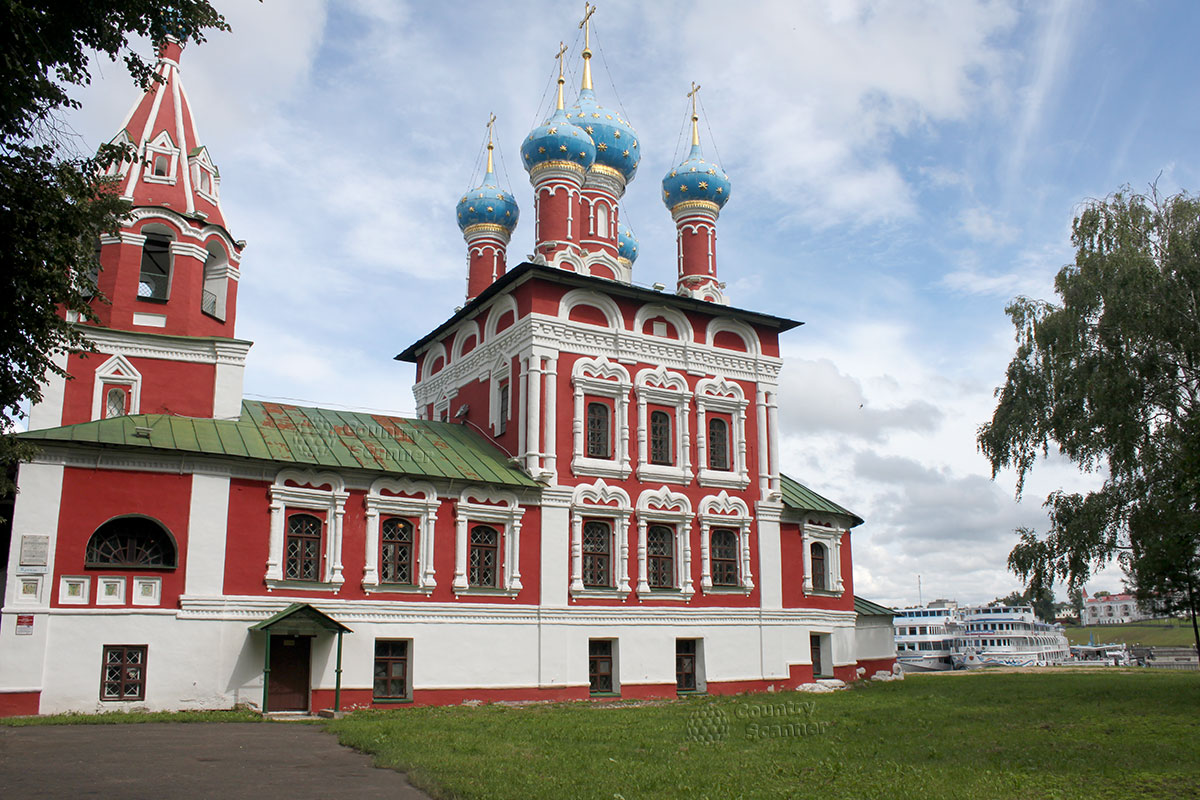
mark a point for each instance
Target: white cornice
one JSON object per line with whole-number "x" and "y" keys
{"x": 169, "y": 348}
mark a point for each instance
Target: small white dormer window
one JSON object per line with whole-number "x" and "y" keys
{"x": 162, "y": 159}
{"x": 204, "y": 174}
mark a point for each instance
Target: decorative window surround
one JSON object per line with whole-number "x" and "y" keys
{"x": 726, "y": 397}
{"x": 499, "y": 509}
{"x": 669, "y": 389}
{"x": 736, "y": 326}
{"x": 306, "y": 494}
{"x": 610, "y": 503}
{"x": 664, "y": 507}
{"x": 110, "y": 590}
{"x": 74, "y": 590}
{"x": 723, "y": 511}
{"x": 162, "y": 146}
{"x": 116, "y": 372}
{"x": 202, "y": 165}
{"x": 146, "y": 591}
{"x": 407, "y": 499}
{"x": 29, "y": 590}
{"x": 683, "y": 326}
{"x": 501, "y": 378}
{"x": 599, "y": 377}
{"x": 831, "y": 537}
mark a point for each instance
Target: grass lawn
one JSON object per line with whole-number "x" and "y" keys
{"x": 1116, "y": 734}
{"x": 1151, "y": 632}
{"x": 134, "y": 717}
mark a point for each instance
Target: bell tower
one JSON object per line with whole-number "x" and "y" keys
{"x": 167, "y": 300}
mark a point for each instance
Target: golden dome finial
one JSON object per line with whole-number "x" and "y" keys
{"x": 588, "y": 10}
{"x": 695, "y": 117}
{"x": 490, "y": 124}
{"x": 562, "y": 51}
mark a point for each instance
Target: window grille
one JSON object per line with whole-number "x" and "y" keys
{"x": 598, "y": 428}
{"x": 123, "y": 675}
{"x": 660, "y": 438}
{"x": 484, "y": 557}
{"x": 597, "y": 554}
{"x": 302, "y": 548}
{"x": 718, "y": 444}
{"x": 391, "y": 670}
{"x": 396, "y": 556}
{"x": 130, "y": 542}
{"x": 660, "y": 557}
{"x": 724, "y": 554}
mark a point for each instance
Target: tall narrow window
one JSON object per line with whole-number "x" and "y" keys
{"x": 160, "y": 166}
{"x": 115, "y": 402}
{"x": 817, "y": 562}
{"x": 156, "y": 267}
{"x": 484, "y": 557}
{"x": 598, "y": 428}
{"x": 718, "y": 443}
{"x": 597, "y": 554}
{"x": 660, "y": 557}
{"x": 724, "y": 551}
{"x": 600, "y": 666}
{"x": 503, "y": 400}
{"x": 391, "y": 670}
{"x": 685, "y": 665}
{"x": 123, "y": 674}
{"x": 396, "y": 556}
{"x": 661, "y": 451}
{"x": 302, "y": 548}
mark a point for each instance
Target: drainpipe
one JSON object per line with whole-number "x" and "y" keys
{"x": 337, "y": 686}
{"x": 266, "y": 672}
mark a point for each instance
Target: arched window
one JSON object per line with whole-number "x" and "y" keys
{"x": 597, "y": 554}
{"x": 131, "y": 542}
{"x": 483, "y": 558}
{"x": 660, "y": 438}
{"x": 114, "y": 402}
{"x": 817, "y": 563}
{"x": 302, "y": 548}
{"x": 660, "y": 557}
{"x": 599, "y": 443}
{"x": 155, "y": 279}
{"x": 602, "y": 220}
{"x": 161, "y": 168}
{"x": 396, "y": 558}
{"x": 724, "y": 553}
{"x": 718, "y": 443}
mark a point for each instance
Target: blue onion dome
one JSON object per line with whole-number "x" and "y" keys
{"x": 557, "y": 139}
{"x": 627, "y": 245}
{"x": 696, "y": 179}
{"x": 488, "y": 204}
{"x": 616, "y": 141}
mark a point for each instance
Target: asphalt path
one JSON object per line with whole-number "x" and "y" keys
{"x": 165, "y": 761}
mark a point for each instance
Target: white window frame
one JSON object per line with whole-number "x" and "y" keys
{"x": 599, "y": 377}
{"x": 500, "y": 509}
{"x": 28, "y": 591}
{"x": 162, "y": 145}
{"x": 139, "y": 597}
{"x": 663, "y": 387}
{"x": 723, "y": 511}
{"x": 501, "y": 373}
{"x": 116, "y": 372}
{"x": 611, "y": 504}
{"x": 408, "y": 499}
{"x": 200, "y": 162}
{"x": 664, "y": 507}
{"x": 831, "y": 538}
{"x": 307, "y": 495}
{"x": 85, "y": 596}
{"x": 115, "y": 599}
{"x": 724, "y": 397}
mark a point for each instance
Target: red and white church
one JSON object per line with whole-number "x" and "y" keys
{"x": 588, "y": 503}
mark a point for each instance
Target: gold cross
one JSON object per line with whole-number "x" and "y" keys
{"x": 692, "y": 95}
{"x": 562, "y": 51}
{"x": 588, "y": 10}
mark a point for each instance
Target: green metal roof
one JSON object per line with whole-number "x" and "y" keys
{"x": 300, "y": 619}
{"x": 798, "y": 496}
{"x": 866, "y": 608}
{"x": 314, "y": 437}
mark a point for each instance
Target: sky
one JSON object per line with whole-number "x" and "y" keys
{"x": 900, "y": 172}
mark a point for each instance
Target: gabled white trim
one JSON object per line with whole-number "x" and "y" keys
{"x": 723, "y": 396}
{"x": 723, "y": 511}
{"x": 307, "y": 494}
{"x": 496, "y": 310}
{"x": 663, "y": 506}
{"x": 831, "y": 538}
{"x": 479, "y": 504}
{"x": 682, "y": 325}
{"x": 660, "y": 386}
{"x": 735, "y": 326}
{"x": 163, "y": 145}
{"x": 599, "y": 377}
{"x": 116, "y": 371}
{"x": 587, "y": 297}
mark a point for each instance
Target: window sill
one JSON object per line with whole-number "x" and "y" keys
{"x": 727, "y": 479}
{"x": 674, "y": 595}
{"x": 156, "y": 300}
{"x": 308, "y": 586}
{"x": 596, "y": 593}
{"x": 600, "y": 468}
{"x": 823, "y": 593}
{"x": 743, "y": 590}
{"x": 659, "y": 472}
{"x": 397, "y": 588}
{"x": 479, "y": 591}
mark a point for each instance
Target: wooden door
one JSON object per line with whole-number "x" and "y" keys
{"x": 290, "y": 673}
{"x": 815, "y": 648}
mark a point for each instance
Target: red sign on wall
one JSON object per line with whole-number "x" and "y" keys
{"x": 24, "y": 624}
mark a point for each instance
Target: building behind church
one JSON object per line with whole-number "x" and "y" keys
{"x": 589, "y": 502}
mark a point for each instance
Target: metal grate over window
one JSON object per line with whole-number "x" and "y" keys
{"x": 660, "y": 557}
{"x": 660, "y": 438}
{"x": 123, "y": 675}
{"x": 718, "y": 444}
{"x": 598, "y": 431}
{"x": 597, "y": 554}
{"x": 484, "y": 557}
{"x": 724, "y": 552}
{"x": 396, "y": 556}
{"x": 130, "y": 542}
{"x": 302, "y": 548}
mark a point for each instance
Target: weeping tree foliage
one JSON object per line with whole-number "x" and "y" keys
{"x": 1109, "y": 375}
{"x": 53, "y": 201}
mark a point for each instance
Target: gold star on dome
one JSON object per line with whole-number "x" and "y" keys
{"x": 508, "y": 213}
{"x": 464, "y": 199}
{"x": 597, "y": 116}
{"x": 471, "y": 209}
{"x": 602, "y": 147}
{"x": 609, "y": 116}
{"x": 480, "y": 195}
{"x": 720, "y": 190}
{"x": 541, "y": 149}
{"x": 589, "y": 129}
{"x": 583, "y": 153}
{"x": 683, "y": 187}
{"x": 693, "y": 169}
{"x": 562, "y": 147}
{"x": 526, "y": 158}
{"x": 626, "y": 154}
{"x": 703, "y": 184}
{"x": 616, "y": 134}
{"x": 490, "y": 209}
{"x": 672, "y": 173}
{"x": 635, "y": 142}
{"x": 712, "y": 172}
{"x": 499, "y": 196}
{"x": 666, "y": 193}
{"x": 552, "y": 131}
